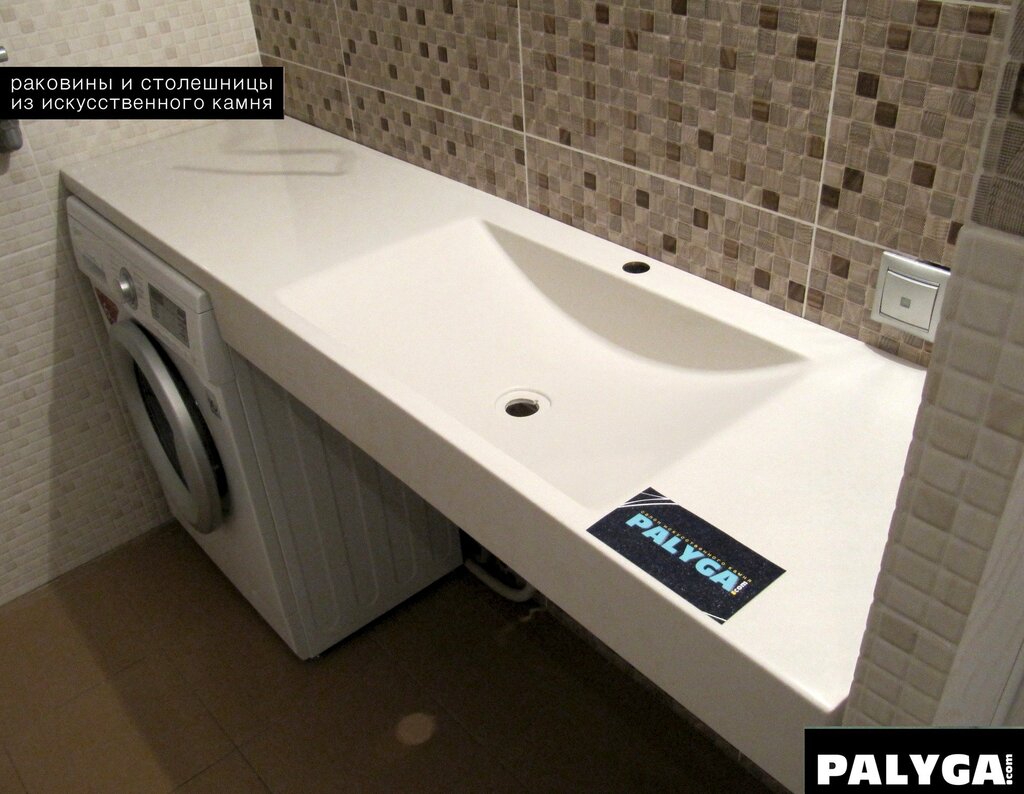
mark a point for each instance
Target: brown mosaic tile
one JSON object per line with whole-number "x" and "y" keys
{"x": 752, "y": 251}
{"x": 841, "y": 293}
{"x": 727, "y": 97}
{"x": 916, "y": 82}
{"x": 300, "y": 31}
{"x": 473, "y": 152}
{"x": 462, "y": 56}
{"x": 315, "y": 97}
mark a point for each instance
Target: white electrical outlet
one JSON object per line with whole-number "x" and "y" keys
{"x": 909, "y": 295}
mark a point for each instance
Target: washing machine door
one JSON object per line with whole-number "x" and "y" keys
{"x": 170, "y": 425}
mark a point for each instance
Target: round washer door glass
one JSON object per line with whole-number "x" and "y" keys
{"x": 171, "y": 428}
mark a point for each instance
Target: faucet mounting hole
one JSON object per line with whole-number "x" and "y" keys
{"x": 636, "y": 267}
{"x": 521, "y": 407}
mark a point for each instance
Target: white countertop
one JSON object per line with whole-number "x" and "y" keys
{"x": 807, "y": 476}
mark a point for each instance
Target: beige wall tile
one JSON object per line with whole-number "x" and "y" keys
{"x": 462, "y": 56}
{"x": 752, "y": 251}
{"x": 304, "y": 32}
{"x": 841, "y": 292}
{"x": 126, "y": 32}
{"x": 480, "y": 154}
{"x": 316, "y": 97}
{"x": 27, "y": 219}
{"x": 74, "y": 483}
{"x": 727, "y": 97}
{"x": 914, "y": 94}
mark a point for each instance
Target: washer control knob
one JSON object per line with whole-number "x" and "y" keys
{"x": 126, "y": 287}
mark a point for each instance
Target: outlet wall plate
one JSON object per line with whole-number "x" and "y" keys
{"x": 909, "y": 295}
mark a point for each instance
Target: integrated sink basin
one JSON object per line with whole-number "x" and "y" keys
{"x": 510, "y": 370}
{"x": 581, "y": 373}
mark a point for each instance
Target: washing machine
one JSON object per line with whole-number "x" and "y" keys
{"x": 256, "y": 479}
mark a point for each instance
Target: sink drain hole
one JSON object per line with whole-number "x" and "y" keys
{"x": 522, "y": 406}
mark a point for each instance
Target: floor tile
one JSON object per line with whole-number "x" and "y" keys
{"x": 270, "y": 685}
{"x": 145, "y": 671}
{"x": 58, "y": 643}
{"x": 10, "y": 783}
{"x": 230, "y": 775}
{"x": 443, "y": 623}
{"x": 197, "y": 620}
{"x": 172, "y": 585}
{"x": 376, "y": 731}
{"x": 495, "y": 695}
{"x": 140, "y": 731}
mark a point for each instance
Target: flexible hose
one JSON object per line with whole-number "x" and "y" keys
{"x": 517, "y": 594}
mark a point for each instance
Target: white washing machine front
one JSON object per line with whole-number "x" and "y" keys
{"x": 316, "y": 535}
{"x": 173, "y": 373}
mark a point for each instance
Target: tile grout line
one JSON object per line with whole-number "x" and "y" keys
{"x": 344, "y": 77}
{"x": 10, "y": 762}
{"x": 995, "y": 4}
{"x": 656, "y": 175}
{"x": 816, "y": 226}
{"x": 522, "y": 96}
{"x": 29, "y": 249}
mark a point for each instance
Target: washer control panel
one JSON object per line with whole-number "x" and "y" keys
{"x": 148, "y": 290}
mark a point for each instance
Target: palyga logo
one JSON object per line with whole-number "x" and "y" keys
{"x": 933, "y": 759}
{"x": 676, "y": 545}
{"x": 956, "y": 769}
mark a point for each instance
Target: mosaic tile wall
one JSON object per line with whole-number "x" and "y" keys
{"x": 73, "y": 482}
{"x": 968, "y": 445}
{"x": 774, "y": 147}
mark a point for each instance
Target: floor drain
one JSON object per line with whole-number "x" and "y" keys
{"x": 636, "y": 267}
{"x": 521, "y": 406}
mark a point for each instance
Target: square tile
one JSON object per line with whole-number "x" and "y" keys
{"x": 126, "y": 33}
{"x": 315, "y": 97}
{"x": 473, "y": 152}
{"x": 27, "y": 219}
{"x": 375, "y": 731}
{"x": 752, "y": 251}
{"x": 463, "y": 57}
{"x": 300, "y": 31}
{"x": 42, "y": 316}
{"x": 141, "y": 730}
{"x": 915, "y": 86}
{"x": 724, "y": 97}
